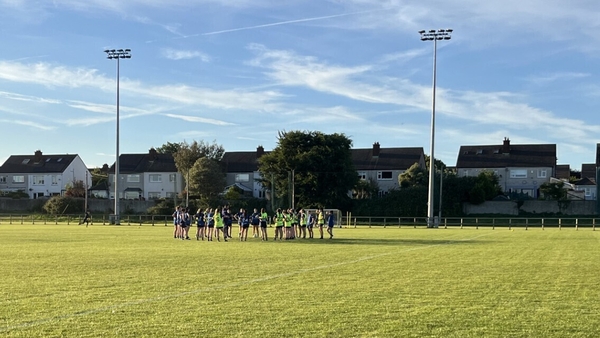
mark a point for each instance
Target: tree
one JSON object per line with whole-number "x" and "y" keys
{"x": 415, "y": 176}
{"x": 186, "y": 155}
{"x": 75, "y": 189}
{"x": 206, "y": 178}
{"x": 557, "y": 192}
{"x": 168, "y": 148}
{"x": 365, "y": 189}
{"x": 98, "y": 176}
{"x": 486, "y": 188}
{"x": 319, "y": 165}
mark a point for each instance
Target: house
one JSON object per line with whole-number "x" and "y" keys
{"x": 521, "y": 168}
{"x": 563, "y": 171}
{"x": 588, "y": 170}
{"x": 41, "y": 175}
{"x": 146, "y": 176}
{"x": 381, "y": 165}
{"x": 588, "y": 186}
{"x": 384, "y": 165}
{"x": 241, "y": 169}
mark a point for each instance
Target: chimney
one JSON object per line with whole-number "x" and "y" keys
{"x": 37, "y": 156}
{"x": 376, "y": 149}
{"x": 506, "y": 146}
{"x": 105, "y": 168}
{"x": 260, "y": 151}
{"x": 153, "y": 153}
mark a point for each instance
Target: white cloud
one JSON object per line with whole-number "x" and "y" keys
{"x": 199, "y": 119}
{"x": 547, "y": 78}
{"x": 174, "y": 54}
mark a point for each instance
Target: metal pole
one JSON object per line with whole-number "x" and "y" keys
{"x": 117, "y": 54}
{"x": 117, "y": 220}
{"x": 293, "y": 190}
{"x": 440, "y": 204}
{"x": 441, "y": 34}
{"x": 430, "y": 223}
{"x": 85, "y": 207}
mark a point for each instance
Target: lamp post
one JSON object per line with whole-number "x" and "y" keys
{"x": 117, "y": 54}
{"x": 433, "y": 35}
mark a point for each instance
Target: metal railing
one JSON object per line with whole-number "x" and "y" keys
{"x": 345, "y": 221}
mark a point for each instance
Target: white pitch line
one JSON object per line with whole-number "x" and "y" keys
{"x": 217, "y": 288}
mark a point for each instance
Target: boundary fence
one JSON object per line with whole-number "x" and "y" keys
{"x": 347, "y": 221}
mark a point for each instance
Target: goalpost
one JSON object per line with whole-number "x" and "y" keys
{"x": 337, "y": 215}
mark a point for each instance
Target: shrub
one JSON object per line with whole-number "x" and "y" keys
{"x": 59, "y": 205}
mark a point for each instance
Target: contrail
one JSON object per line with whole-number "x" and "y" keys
{"x": 276, "y": 24}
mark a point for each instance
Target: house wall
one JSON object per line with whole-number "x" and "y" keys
{"x": 532, "y": 206}
{"x": 528, "y": 181}
{"x": 165, "y": 187}
{"x": 380, "y": 177}
{"x": 7, "y": 184}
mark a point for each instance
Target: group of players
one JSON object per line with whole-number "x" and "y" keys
{"x": 218, "y": 222}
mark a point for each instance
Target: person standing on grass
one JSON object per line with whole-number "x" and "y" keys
{"x": 176, "y": 222}
{"x": 287, "y": 223}
{"x": 302, "y": 224}
{"x": 310, "y": 223}
{"x": 320, "y": 221}
{"x": 330, "y": 224}
{"x": 201, "y": 222}
{"x": 264, "y": 218}
{"x": 245, "y": 225}
{"x": 210, "y": 223}
{"x": 255, "y": 221}
{"x": 278, "y": 219}
{"x": 185, "y": 224}
{"x": 219, "y": 225}
{"x": 227, "y": 222}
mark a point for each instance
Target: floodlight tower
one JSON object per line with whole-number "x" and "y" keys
{"x": 117, "y": 54}
{"x": 433, "y": 35}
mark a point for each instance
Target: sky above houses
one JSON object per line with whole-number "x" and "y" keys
{"x": 238, "y": 71}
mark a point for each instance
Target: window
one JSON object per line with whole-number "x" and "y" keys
{"x": 2, "y": 179}
{"x": 362, "y": 175}
{"x": 588, "y": 192}
{"x": 155, "y": 178}
{"x": 542, "y": 173}
{"x": 382, "y": 193}
{"x": 25, "y": 161}
{"x": 19, "y": 179}
{"x": 518, "y": 173}
{"x": 133, "y": 178}
{"x": 54, "y": 179}
{"x": 38, "y": 180}
{"x": 153, "y": 195}
{"x": 384, "y": 175}
{"x": 171, "y": 194}
{"x": 132, "y": 195}
{"x": 172, "y": 177}
{"x": 242, "y": 177}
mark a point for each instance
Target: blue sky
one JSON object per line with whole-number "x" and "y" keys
{"x": 237, "y": 71}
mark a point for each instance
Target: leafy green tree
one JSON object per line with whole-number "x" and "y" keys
{"x": 415, "y": 176}
{"x": 556, "y": 191}
{"x": 486, "y": 188}
{"x": 169, "y": 148}
{"x": 98, "y": 176}
{"x": 207, "y": 180}
{"x": 58, "y": 205}
{"x": 365, "y": 189}
{"x": 320, "y": 165}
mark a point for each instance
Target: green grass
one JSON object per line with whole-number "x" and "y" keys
{"x": 132, "y": 281}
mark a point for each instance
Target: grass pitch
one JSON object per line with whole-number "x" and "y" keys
{"x": 131, "y": 281}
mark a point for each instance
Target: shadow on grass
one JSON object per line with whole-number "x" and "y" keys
{"x": 379, "y": 241}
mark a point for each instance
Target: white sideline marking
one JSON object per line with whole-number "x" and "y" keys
{"x": 216, "y": 288}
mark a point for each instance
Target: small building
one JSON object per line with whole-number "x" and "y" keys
{"x": 521, "y": 168}
{"x": 41, "y": 175}
{"x": 146, "y": 176}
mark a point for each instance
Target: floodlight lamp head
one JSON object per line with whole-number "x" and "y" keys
{"x": 421, "y": 31}
{"x": 449, "y": 30}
